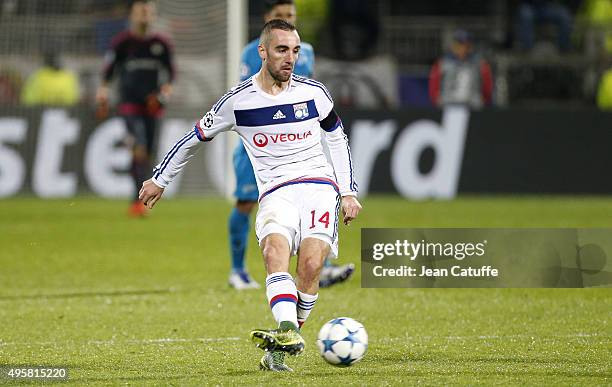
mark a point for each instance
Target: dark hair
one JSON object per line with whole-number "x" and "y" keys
{"x": 278, "y": 24}
{"x": 269, "y": 4}
{"x": 274, "y": 24}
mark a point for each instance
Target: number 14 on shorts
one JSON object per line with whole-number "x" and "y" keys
{"x": 323, "y": 219}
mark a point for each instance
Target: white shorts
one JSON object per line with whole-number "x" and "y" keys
{"x": 300, "y": 211}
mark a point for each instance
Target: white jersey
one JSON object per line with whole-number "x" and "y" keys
{"x": 281, "y": 134}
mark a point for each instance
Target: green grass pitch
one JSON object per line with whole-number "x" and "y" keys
{"x": 120, "y": 300}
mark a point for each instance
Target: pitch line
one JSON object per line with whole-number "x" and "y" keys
{"x": 168, "y": 340}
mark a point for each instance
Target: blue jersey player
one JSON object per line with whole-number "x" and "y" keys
{"x": 246, "y": 187}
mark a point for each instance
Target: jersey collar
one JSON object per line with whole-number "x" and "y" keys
{"x": 268, "y": 95}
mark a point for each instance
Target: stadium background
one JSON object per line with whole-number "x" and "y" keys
{"x": 375, "y": 58}
{"x": 124, "y": 301}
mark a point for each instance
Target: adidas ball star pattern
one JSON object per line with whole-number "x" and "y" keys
{"x": 342, "y": 341}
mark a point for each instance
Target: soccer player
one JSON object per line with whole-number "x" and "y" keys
{"x": 143, "y": 63}
{"x": 279, "y": 117}
{"x": 246, "y": 187}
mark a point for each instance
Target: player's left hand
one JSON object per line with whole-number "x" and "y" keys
{"x": 165, "y": 91}
{"x": 150, "y": 193}
{"x": 350, "y": 208}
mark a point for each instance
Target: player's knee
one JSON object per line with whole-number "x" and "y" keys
{"x": 274, "y": 249}
{"x": 276, "y": 258}
{"x": 272, "y": 253}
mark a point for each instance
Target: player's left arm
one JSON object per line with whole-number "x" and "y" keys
{"x": 342, "y": 162}
{"x": 113, "y": 58}
{"x": 350, "y": 208}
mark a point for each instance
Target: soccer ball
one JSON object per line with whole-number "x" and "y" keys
{"x": 342, "y": 341}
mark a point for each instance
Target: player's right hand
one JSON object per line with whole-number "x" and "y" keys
{"x": 150, "y": 193}
{"x": 102, "y": 106}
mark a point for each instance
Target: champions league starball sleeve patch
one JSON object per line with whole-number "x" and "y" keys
{"x": 208, "y": 120}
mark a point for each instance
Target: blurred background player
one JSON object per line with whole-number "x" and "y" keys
{"x": 246, "y": 187}
{"x": 143, "y": 63}
{"x": 461, "y": 76}
{"x": 52, "y": 84}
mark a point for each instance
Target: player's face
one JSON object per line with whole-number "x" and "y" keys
{"x": 281, "y": 53}
{"x": 285, "y": 12}
{"x": 143, "y": 13}
{"x": 461, "y": 50}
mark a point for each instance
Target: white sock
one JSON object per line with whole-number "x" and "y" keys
{"x": 304, "y": 306}
{"x": 282, "y": 297}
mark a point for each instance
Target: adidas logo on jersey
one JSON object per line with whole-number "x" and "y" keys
{"x": 278, "y": 115}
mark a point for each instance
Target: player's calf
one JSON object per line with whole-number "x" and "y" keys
{"x": 311, "y": 256}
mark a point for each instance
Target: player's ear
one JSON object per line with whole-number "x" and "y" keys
{"x": 262, "y": 51}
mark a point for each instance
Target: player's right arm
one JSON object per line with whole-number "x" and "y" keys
{"x": 112, "y": 59}
{"x": 219, "y": 119}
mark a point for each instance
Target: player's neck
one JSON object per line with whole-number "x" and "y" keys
{"x": 270, "y": 85}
